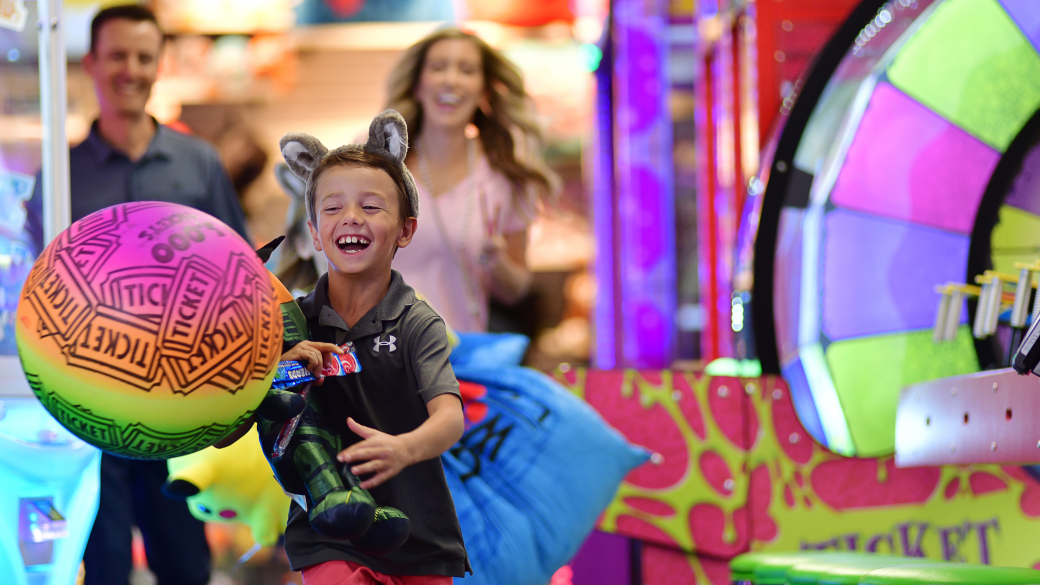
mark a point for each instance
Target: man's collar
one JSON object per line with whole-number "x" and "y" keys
{"x": 159, "y": 147}
{"x": 398, "y": 297}
{"x": 101, "y": 149}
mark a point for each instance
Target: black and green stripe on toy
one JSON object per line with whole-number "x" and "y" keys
{"x": 337, "y": 505}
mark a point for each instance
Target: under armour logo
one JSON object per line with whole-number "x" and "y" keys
{"x": 387, "y": 344}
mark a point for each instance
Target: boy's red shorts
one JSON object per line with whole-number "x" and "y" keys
{"x": 344, "y": 573}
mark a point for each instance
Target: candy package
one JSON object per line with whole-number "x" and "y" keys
{"x": 292, "y": 373}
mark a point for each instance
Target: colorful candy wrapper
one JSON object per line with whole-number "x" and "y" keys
{"x": 287, "y": 430}
{"x": 293, "y": 373}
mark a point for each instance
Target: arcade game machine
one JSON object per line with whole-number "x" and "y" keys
{"x": 48, "y": 477}
{"x": 895, "y": 171}
{"x": 48, "y": 495}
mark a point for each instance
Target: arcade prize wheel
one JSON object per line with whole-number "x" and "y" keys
{"x": 909, "y": 159}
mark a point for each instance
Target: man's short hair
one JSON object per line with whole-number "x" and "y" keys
{"x": 131, "y": 12}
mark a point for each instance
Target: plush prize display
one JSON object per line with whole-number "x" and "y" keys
{"x": 233, "y": 484}
{"x": 149, "y": 329}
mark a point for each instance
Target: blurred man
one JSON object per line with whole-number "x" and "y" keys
{"x": 127, "y": 157}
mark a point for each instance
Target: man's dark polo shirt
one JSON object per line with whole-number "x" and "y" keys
{"x": 176, "y": 168}
{"x": 403, "y": 348}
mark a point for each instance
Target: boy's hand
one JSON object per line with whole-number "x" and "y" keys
{"x": 384, "y": 455}
{"x": 314, "y": 354}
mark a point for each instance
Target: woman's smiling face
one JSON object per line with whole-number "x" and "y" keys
{"x": 451, "y": 84}
{"x": 359, "y": 224}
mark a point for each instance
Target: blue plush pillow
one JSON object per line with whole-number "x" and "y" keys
{"x": 531, "y": 478}
{"x": 488, "y": 350}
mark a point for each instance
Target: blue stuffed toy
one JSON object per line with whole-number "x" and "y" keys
{"x": 531, "y": 477}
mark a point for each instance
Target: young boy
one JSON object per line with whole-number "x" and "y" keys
{"x": 403, "y": 410}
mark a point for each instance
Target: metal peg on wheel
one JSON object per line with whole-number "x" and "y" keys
{"x": 993, "y": 304}
{"x": 939, "y": 329}
{"x": 978, "y": 329}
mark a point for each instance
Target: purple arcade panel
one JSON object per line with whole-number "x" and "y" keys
{"x": 604, "y": 559}
{"x": 1026, "y": 14}
{"x": 645, "y": 260}
{"x": 786, "y": 282}
{"x": 898, "y": 165}
{"x": 879, "y": 274}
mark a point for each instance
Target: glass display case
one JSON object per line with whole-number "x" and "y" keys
{"x": 21, "y": 135}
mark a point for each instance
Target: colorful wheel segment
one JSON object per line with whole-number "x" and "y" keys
{"x": 899, "y": 181}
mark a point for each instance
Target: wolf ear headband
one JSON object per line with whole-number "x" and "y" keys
{"x": 387, "y": 137}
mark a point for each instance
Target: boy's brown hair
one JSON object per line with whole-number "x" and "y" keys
{"x": 368, "y": 160}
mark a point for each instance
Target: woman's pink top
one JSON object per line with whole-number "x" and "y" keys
{"x": 454, "y": 283}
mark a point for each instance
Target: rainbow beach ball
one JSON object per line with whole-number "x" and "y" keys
{"x": 150, "y": 330}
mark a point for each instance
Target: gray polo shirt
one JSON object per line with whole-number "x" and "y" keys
{"x": 176, "y": 167}
{"x": 403, "y": 349}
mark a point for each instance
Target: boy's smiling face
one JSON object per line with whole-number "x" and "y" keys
{"x": 359, "y": 223}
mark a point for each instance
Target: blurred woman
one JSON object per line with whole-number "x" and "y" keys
{"x": 476, "y": 154}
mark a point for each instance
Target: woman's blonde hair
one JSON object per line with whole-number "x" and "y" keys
{"x": 509, "y": 117}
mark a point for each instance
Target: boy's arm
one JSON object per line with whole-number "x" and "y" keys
{"x": 386, "y": 455}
